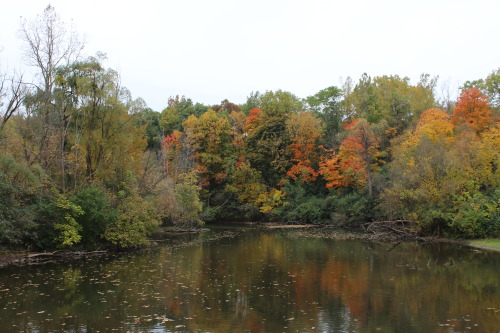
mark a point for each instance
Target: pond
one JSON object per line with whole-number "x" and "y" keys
{"x": 259, "y": 281}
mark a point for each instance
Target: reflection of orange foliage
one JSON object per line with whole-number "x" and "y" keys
{"x": 174, "y": 308}
{"x": 336, "y": 279}
{"x": 340, "y": 279}
{"x": 254, "y": 322}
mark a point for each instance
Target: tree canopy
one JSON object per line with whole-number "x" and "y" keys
{"x": 84, "y": 164}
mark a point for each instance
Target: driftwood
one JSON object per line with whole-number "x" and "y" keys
{"x": 184, "y": 231}
{"x": 402, "y": 229}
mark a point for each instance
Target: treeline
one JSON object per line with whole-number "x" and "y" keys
{"x": 82, "y": 164}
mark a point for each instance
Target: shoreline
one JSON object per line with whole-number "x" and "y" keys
{"x": 25, "y": 257}
{"x": 483, "y": 247}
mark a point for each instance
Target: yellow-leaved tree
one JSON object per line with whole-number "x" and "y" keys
{"x": 446, "y": 178}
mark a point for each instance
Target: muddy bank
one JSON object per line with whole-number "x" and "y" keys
{"x": 30, "y": 258}
{"x": 291, "y": 226}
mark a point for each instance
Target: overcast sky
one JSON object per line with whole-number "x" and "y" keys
{"x": 218, "y": 49}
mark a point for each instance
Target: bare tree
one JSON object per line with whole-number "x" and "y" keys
{"x": 47, "y": 44}
{"x": 12, "y": 94}
{"x": 447, "y": 96}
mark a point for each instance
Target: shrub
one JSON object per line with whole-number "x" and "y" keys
{"x": 57, "y": 225}
{"x": 19, "y": 187}
{"x": 97, "y": 214}
{"x": 349, "y": 208}
{"x": 307, "y": 212}
{"x": 477, "y": 216}
{"x": 137, "y": 219}
{"x": 180, "y": 202}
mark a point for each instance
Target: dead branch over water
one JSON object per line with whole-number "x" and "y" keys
{"x": 402, "y": 229}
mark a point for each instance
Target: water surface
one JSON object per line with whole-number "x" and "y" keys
{"x": 260, "y": 281}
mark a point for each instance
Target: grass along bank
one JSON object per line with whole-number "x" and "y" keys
{"x": 488, "y": 244}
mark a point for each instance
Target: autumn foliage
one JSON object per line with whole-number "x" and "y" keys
{"x": 86, "y": 164}
{"x": 473, "y": 109}
{"x": 304, "y": 129}
{"x": 357, "y": 157}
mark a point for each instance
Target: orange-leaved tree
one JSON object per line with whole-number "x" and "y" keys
{"x": 305, "y": 130}
{"x": 357, "y": 158}
{"x": 252, "y": 121}
{"x": 473, "y": 108}
{"x": 177, "y": 155}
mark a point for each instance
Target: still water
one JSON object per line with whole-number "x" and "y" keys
{"x": 259, "y": 281}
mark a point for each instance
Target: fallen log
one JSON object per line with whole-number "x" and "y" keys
{"x": 44, "y": 256}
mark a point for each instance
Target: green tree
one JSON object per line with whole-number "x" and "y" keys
{"x": 253, "y": 101}
{"x": 365, "y": 101}
{"x": 151, "y": 120}
{"x": 268, "y": 149}
{"x": 279, "y": 102}
{"x": 327, "y": 105}
{"x": 268, "y": 143}
{"x": 393, "y": 98}
{"x": 97, "y": 214}
{"x": 178, "y": 110}
{"x": 64, "y": 214}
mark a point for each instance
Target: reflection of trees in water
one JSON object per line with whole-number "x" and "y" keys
{"x": 261, "y": 283}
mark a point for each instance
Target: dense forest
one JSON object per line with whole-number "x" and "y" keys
{"x": 84, "y": 164}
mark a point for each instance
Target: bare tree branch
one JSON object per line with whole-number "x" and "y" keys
{"x": 12, "y": 94}
{"x": 47, "y": 45}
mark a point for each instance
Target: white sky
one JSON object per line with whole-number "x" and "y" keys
{"x": 212, "y": 50}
